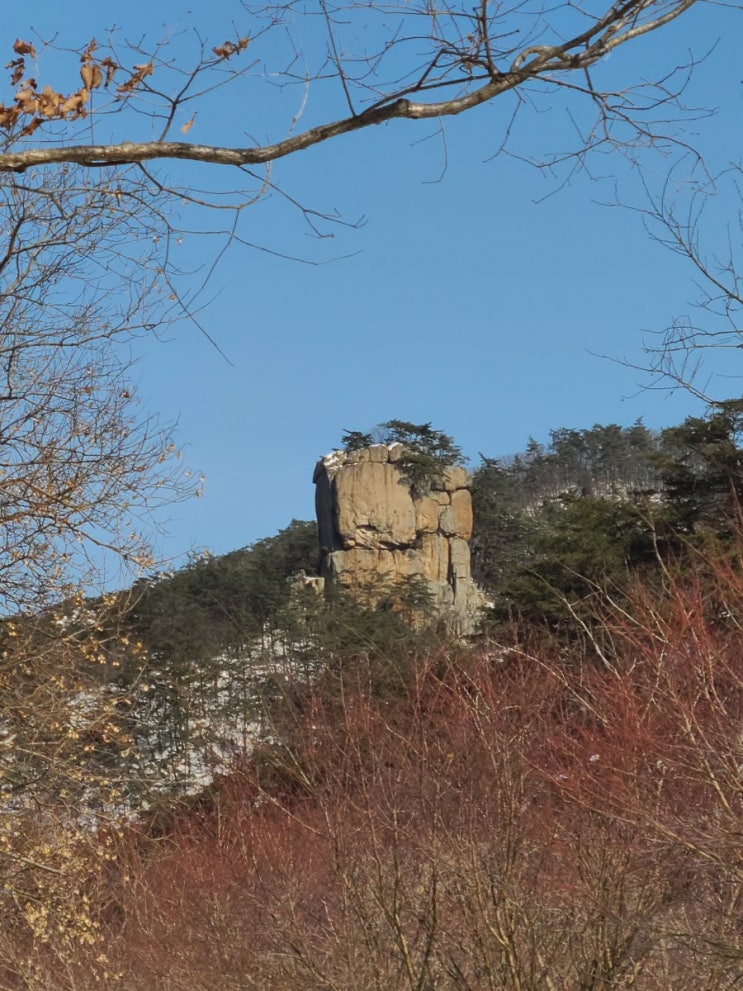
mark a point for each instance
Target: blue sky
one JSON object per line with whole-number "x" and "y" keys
{"x": 478, "y": 296}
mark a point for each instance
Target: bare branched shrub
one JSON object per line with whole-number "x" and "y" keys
{"x": 425, "y": 844}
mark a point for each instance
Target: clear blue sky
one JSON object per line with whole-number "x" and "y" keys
{"x": 472, "y": 302}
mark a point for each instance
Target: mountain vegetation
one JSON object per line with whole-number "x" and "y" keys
{"x": 561, "y": 530}
{"x": 275, "y": 788}
{"x": 555, "y": 526}
{"x": 427, "y": 452}
{"x": 219, "y": 778}
{"x": 563, "y": 525}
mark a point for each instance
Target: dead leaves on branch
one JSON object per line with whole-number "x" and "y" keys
{"x": 32, "y": 107}
{"x": 141, "y": 72}
{"x": 92, "y": 70}
{"x": 230, "y": 48}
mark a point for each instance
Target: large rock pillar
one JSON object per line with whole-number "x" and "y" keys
{"x": 376, "y": 529}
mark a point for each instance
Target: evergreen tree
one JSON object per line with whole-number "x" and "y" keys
{"x": 702, "y": 468}
{"x": 222, "y": 603}
{"x": 427, "y": 455}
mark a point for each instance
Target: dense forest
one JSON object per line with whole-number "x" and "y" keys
{"x": 289, "y": 790}
{"x": 560, "y": 524}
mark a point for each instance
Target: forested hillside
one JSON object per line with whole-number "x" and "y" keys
{"x": 554, "y": 524}
{"x": 294, "y": 787}
{"x": 560, "y": 531}
{"x": 558, "y": 525}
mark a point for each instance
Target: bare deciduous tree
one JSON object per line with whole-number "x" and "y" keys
{"x": 82, "y": 273}
{"x": 80, "y": 464}
{"x": 140, "y": 109}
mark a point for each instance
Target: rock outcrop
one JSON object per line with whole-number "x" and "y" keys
{"x": 377, "y": 529}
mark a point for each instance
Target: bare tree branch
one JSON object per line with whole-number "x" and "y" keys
{"x": 464, "y": 68}
{"x": 687, "y": 354}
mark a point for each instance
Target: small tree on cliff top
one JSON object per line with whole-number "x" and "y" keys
{"x": 428, "y": 452}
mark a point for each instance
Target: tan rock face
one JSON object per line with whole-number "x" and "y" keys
{"x": 454, "y": 478}
{"x": 434, "y": 556}
{"x": 459, "y": 558}
{"x": 374, "y": 531}
{"x": 461, "y": 514}
{"x": 373, "y": 506}
{"x": 426, "y": 515}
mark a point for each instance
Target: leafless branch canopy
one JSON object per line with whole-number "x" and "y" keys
{"x": 693, "y": 352}
{"x": 382, "y": 61}
{"x": 80, "y": 465}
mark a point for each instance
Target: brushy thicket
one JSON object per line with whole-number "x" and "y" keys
{"x": 503, "y": 820}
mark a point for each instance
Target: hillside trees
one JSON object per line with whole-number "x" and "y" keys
{"x": 519, "y": 825}
{"x": 702, "y": 467}
{"x": 560, "y": 527}
{"x": 210, "y": 630}
{"x": 554, "y": 521}
{"x": 221, "y": 604}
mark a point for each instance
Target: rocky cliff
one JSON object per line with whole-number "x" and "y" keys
{"x": 376, "y": 528}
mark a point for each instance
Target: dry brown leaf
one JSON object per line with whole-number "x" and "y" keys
{"x": 19, "y": 67}
{"x": 138, "y": 76}
{"x": 230, "y": 48}
{"x": 8, "y": 116}
{"x": 74, "y": 104}
{"x": 24, "y": 48}
{"x": 91, "y": 75}
{"x": 188, "y": 125}
{"x": 31, "y": 126}
{"x": 110, "y": 66}
{"x": 47, "y": 102}
{"x": 26, "y": 100}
